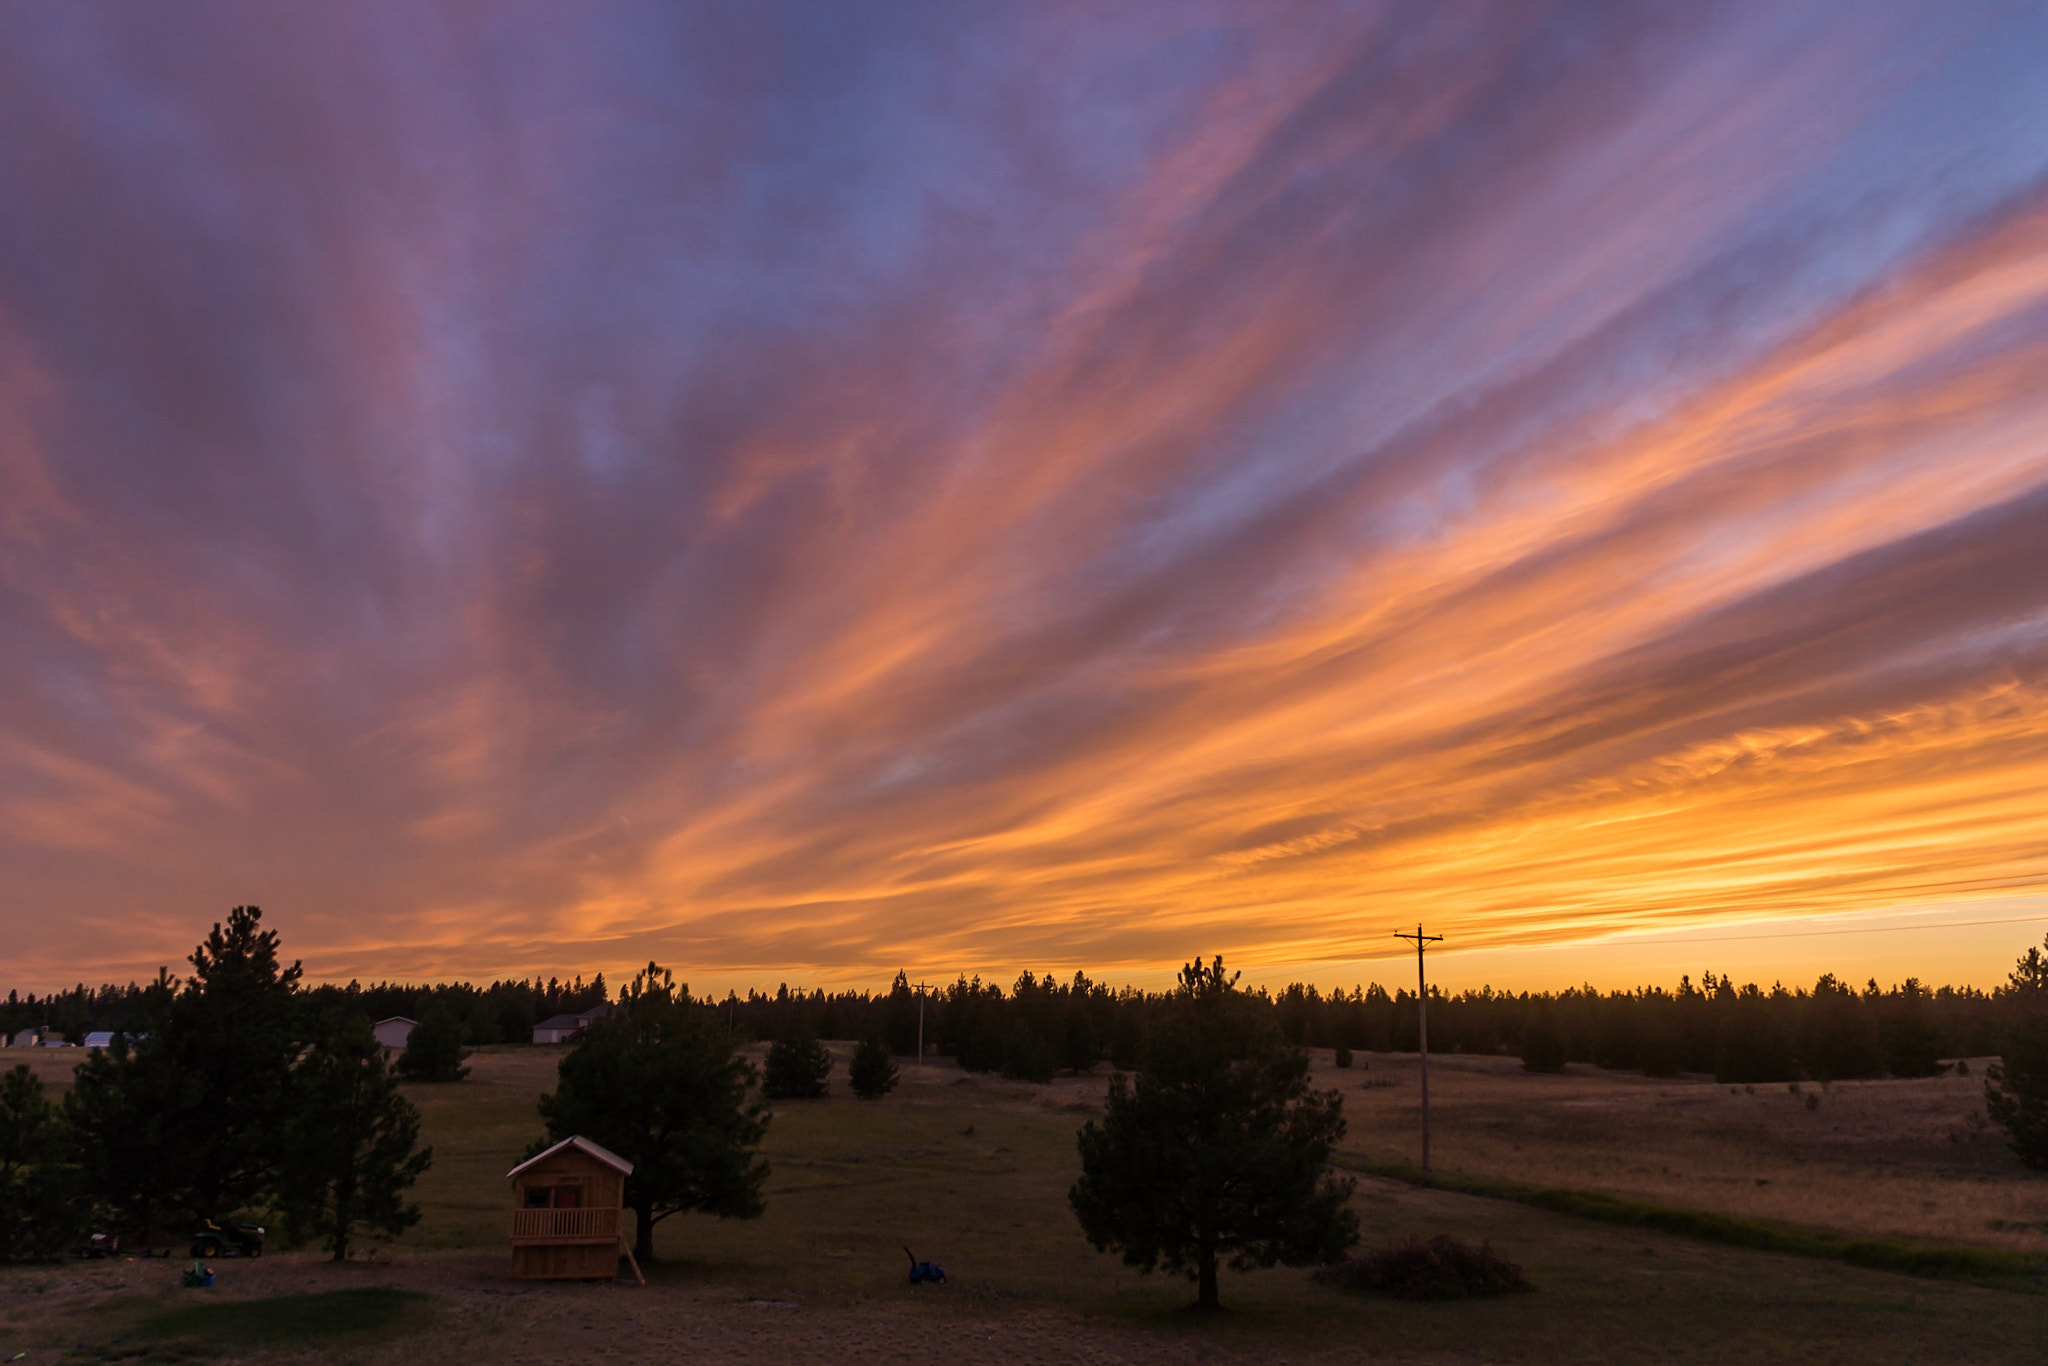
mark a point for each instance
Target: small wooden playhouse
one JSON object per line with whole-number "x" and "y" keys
{"x": 568, "y": 1207}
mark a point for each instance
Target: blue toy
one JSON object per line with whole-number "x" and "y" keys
{"x": 923, "y": 1272}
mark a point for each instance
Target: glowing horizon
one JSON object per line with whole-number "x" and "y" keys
{"x": 797, "y": 494}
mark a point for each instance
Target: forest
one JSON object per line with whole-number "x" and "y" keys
{"x": 1041, "y": 1025}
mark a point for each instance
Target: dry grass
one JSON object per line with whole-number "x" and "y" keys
{"x": 1892, "y": 1158}
{"x": 972, "y": 1173}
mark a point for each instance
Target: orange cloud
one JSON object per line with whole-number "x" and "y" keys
{"x": 1046, "y": 490}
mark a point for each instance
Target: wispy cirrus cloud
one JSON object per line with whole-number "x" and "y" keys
{"x": 783, "y": 491}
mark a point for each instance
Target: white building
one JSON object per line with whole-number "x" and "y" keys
{"x": 393, "y": 1033}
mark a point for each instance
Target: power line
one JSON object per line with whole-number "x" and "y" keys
{"x": 1737, "y": 938}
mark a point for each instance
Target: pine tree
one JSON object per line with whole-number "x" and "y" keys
{"x": 1218, "y": 1150}
{"x": 2016, "y": 1086}
{"x": 872, "y": 1074}
{"x": 189, "y": 1116}
{"x": 41, "y": 1195}
{"x": 123, "y": 1109}
{"x": 433, "y": 1051}
{"x": 797, "y": 1068}
{"x": 352, "y": 1145}
{"x": 665, "y": 1091}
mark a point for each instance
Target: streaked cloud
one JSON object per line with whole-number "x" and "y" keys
{"x": 796, "y": 490}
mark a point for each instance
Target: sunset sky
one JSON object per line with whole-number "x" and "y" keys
{"x": 802, "y": 491}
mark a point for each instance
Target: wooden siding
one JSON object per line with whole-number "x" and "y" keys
{"x": 566, "y": 1262}
{"x": 578, "y": 1241}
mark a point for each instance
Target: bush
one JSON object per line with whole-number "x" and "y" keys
{"x": 41, "y": 1198}
{"x": 2016, "y": 1086}
{"x": 433, "y": 1051}
{"x": 1753, "y": 1047}
{"x": 1343, "y": 1058}
{"x": 797, "y": 1067}
{"x": 1026, "y": 1056}
{"x": 981, "y": 1047}
{"x": 872, "y": 1073}
{"x": 1441, "y": 1269}
{"x": 1543, "y": 1045}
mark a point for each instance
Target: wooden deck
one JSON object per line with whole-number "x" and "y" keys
{"x": 541, "y": 1227}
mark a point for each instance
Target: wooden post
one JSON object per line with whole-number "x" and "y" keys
{"x": 1422, "y": 1023}
{"x": 921, "y": 989}
{"x": 631, "y": 1260}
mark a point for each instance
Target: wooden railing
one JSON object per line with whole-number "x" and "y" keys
{"x": 565, "y": 1225}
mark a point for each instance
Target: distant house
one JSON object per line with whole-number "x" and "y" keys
{"x": 29, "y": 1038}
{"x": 558, "y": 1029}
{"x": 393, "y": 1033}
{"x": 100, "y": 1038}
{"x": 568, "y": 1028}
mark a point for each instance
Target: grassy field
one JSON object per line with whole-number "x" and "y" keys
{"x": 972, "y": 1172}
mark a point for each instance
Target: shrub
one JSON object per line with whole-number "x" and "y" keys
{"x": 2016, "y": 1086}
{"x": 981, "y": 1047}
{"x": 1440, "y": 1269}
{"x": 872, "y": 1074}
{"x": 1026, "y": 1056}
{"x": 1754, "y": 1047}
{"x": 1343, "y": 1057}
{"x": 433, "y": 1051}
{"x": 1543, "y": 1047}
{"x": 41, "y": 1199}
{"x": 797, "y": 1067}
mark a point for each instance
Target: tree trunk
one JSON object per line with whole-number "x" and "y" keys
{"x": 1205, "y": 1294}
{"x": 643, "y": 1233}
{"x": 345, "y": 1178}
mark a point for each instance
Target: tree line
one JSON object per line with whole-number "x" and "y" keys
{"x": 503, "y": 1012}
{"x": 1747, "y": 1033}
{"x": 1042, "y": 1025}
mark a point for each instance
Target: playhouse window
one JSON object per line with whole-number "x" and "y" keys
{"x": 536, "y": 1197}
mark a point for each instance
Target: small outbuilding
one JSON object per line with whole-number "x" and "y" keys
{"x": 393, "y": 1033}
{"x": 557, "y": 1029}
{"x": 100, "y": 1038}
{"x": 568, "y": 1028}
{"x": 568, "y": 1207}
{"x": 29, "y": 1038}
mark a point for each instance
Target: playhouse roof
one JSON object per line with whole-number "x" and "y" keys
{"x": 602, "y": 1154}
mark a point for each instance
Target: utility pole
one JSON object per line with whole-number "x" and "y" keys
{"x": 921, "y": 989}
{"x": 1422, "y": 1021}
